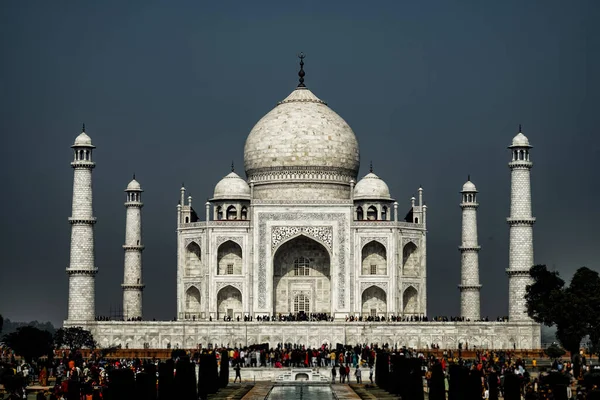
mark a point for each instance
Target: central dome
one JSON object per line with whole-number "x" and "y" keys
{"x": 301, "y": 140}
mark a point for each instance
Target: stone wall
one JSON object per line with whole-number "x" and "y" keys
{"x": 496, "y": 335}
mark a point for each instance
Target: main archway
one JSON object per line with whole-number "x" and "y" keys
{"x": 301, "y": 277}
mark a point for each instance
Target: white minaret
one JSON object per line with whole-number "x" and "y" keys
{"x": 82, "y": 270}
{"x": 521, "y": 228}
{"x": 469, "y": 250}
{"x": 132, "y": 276}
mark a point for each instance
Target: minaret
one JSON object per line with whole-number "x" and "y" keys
{"x": 132, "y": 279}
{"x": 469, "y": 250}
{"x": 521, "y": 228}
{"x": 82, "y": 270}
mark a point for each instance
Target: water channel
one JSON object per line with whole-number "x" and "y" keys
{"x": 301, "y": 391}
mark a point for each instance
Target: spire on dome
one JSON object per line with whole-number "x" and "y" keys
{"x": 469, "y": 177}
{"x": 232, "y": 167}
{"x": 520, "y": 130}
{"x": 301, "y": 72}
{"x": 83, "y": 128}
{"x": 371, "y": 167}
{"x": 134, "y": 175}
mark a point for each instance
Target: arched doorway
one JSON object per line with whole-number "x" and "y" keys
{"x": 192, "y": 300}
{"x": 193, "y": 258}
{"x": 374, "y": 260}
{"x": 229, "y": 302}
{"x": 410, "y": 259}
{"x": 229, "y": 259}
{"x": 301, "y": 277}
{"x": 374, "y": 301}
{"x": 410, "y": 300}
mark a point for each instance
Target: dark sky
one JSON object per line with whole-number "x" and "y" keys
{"x": 434, "y": 90}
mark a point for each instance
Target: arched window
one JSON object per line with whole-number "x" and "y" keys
{"x": 219, "y": 213}
{"x": 384, "y": 212}
{"x": 244, "y": 213}
{"x": 187, "y": 220}
{"x": 301, "y": 266}
{"x": 372, "y": 213}
{"x": 301, "y": 303}
{"x": 231, "y": 212}
{"x": 359, "y": 213}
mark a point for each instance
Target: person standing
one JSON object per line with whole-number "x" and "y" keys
{"x": 333, "y": 374}
{"x": 371, "y": 372}
{"x": 237, "y": 372}
{"x": 342, "y": 373}
{"x": 358, "y": 374}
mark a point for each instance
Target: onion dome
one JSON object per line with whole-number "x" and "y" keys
{"x": 371, "y": 187}
{"x": 469, "y": 187}
{"x": 83, "y": 140}
{"x": 301, "y": 132}
{"x": 134, "y": 186}
{"x": 520, "y": 140}
{"x": 232, "y": 187}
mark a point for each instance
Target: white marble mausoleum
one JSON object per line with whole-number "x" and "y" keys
{"x": 300, "y": 232}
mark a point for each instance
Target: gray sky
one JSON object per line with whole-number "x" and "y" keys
{"x": 434, "y": 90}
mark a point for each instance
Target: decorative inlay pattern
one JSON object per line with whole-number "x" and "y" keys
{"x": 197, "y": 240}
{"x": 381, "y": 285}
{"x": 381, "y": 239}
{"x": 406, "y": 285}
{"x": 406, "y": 240}
{"x": 339, "y": 218}
{"x": 222, "y": 239}
{"x": 221, "y": 285}
{"x": 323, "y": 234}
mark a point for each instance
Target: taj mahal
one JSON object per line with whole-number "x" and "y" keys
{"x": 301, "y": 233}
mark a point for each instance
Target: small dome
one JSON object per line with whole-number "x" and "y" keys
{"x": 83, "y": 140}
{"x": 371, "y": 187}
{"x": 469, "y": 187}
{"x": 232, "y": 187}
{"x": 520, "y": 141}
{"x": 134, "y": 186}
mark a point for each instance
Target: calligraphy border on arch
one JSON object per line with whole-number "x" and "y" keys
{"x": 340, "y": 218}
{"x": 280, "y": 234}
{"x": 382, "y": 285}
{"x": 222, "y": 239}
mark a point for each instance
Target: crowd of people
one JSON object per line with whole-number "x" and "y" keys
{"x": 343, "y": 363}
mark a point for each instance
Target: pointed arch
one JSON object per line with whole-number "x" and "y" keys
{"x": 360, "y": 215}
{"x": 192, "y": 300}
{"x": 410, "y": 259}
{"x": 229, "y": 302}
{"x": 372, "y": 213}
{"x": 244, "y": 213}
{"x": 193, "y": 258}
{"x": 229, "y": 258}
{"x": 219, "y": 213}
{"x": 231, "y": 212}
{"x": 374, "y": 301}
{"x": 311, "y": 260}
{"x": 374, "y": 259}
{"x": 410, "y": 300}
{"x": 384, "y": 213}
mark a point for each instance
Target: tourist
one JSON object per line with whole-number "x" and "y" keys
{"x": 348, "y": 372}
{"x": 342, "y": 373}
{"x": 237, "y": 373}
{"x": 333, "y": 373}
{"x": 358, "y": 375}
{"x": 371, "y": 372}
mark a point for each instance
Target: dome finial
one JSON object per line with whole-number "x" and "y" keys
{"x": 520, "y": 130}
{"x": 83, "y": 128}
{"x": 371, "y": 167}
{"x": 469, "y": 177}
{"x": 134, "y": 175}
{"x": 232, "y": 167}
{"x": 301, "y": 72}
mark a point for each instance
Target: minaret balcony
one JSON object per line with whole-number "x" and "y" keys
{"x": 133, "y": 286}
{"x": 517, "y": 272}
{"x": 82, "y": 221}
{"x": 133, "y": 247}
{"x": 83, "y": 164}
{"x": 469, "y": 248}
{"x": 81, "y": 271}
{"x": 520, "y": 221}
{"x": 134, "y": 204}
{"x": 520, "y": 164}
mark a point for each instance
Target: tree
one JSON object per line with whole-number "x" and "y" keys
{"x": 29, "y": 342}
{"x": 575, "y": 310}
{"x": 554, "y": 351}
{"x": 74, "y": 338}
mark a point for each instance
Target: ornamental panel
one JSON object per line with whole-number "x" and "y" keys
{"x": 381, "y": 285}
{"x": 338, "y": 218}
{"x": 323, "y": 234}
{"x": 221, "y": 285}
{"x": 222, "y": 239}
{"x": 381, "y": 239}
